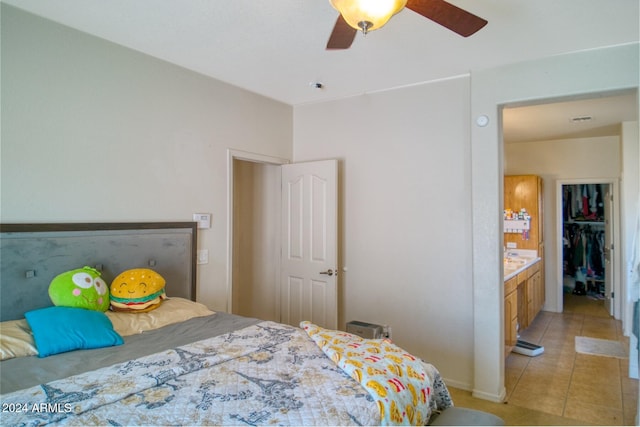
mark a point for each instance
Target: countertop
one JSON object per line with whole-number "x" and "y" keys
{"x": 518, "y": 260}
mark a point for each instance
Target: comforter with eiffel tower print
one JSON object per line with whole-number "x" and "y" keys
{"x": 268, "y": 373}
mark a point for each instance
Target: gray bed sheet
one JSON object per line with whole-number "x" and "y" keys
{"x": 23, "y": 372}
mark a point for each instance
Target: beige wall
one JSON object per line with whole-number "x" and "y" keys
{"x": 92, "y": 131}
{"x": 422, "y": 203}
{"x": 565, "y": 158}
{"x": 405, "y": 213}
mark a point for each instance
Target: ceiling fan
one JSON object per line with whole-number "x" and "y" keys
{"x": 354, "y": 17}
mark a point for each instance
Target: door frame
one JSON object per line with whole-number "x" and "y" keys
{"x": 249, "y": 157}
{"x": 616, "y": 285}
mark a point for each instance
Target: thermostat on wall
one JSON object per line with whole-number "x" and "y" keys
{"x": 203, "y": 220}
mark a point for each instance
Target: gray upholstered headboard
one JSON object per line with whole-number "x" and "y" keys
{"x": 33, "y": 254}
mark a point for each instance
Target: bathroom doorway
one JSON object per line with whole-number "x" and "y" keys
{"x": 582, "y": 156}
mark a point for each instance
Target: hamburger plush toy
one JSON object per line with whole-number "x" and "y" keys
{"x": 137, "y": 291}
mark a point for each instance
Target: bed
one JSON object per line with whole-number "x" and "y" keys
{"x": 182, "y": 364}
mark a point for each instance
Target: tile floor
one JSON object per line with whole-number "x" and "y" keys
{"x": 560, "y": 386}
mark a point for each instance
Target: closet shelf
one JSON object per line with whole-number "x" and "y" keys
{"x": 600, "y": 223}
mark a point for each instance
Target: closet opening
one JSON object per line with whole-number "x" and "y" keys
{"x": 253, "y": 251}
{"x": 256, "y": 199}
{"x": 587, "y": 244}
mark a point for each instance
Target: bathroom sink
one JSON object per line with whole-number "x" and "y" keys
{"x": 510, "y": 271}
{"x": 516, "y": 261}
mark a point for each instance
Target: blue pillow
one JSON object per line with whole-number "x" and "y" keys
{"x": 60, "y": 329}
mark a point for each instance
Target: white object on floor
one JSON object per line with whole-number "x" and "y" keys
{"x": 600, "y": 347}
{"x": 528, "y": 349}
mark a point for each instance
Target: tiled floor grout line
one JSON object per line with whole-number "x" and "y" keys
{"x": 621, "y": 365}
{"x": 515, "y": 385}
{"x": 619, "y": 338}
{"x": 573, "y": 368}
{"x": 621, "y": 388}
{"x": 526, "y": 365}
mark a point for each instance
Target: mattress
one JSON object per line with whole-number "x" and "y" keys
{"x": 214, "y": 370}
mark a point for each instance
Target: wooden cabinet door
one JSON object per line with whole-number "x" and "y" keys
{"x": 510, "y": 320}
{"x": 535, "y": 293}
{"x": 524, "y": 191}
{"x": 531, "y": 300}
{"x": 539, "y": 293}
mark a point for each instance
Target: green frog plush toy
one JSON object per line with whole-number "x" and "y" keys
{"x": 81, "y": 288}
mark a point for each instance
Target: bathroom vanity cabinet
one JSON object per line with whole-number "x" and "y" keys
{"x": 524, "y": 271}
{"x": 523, "y": 299}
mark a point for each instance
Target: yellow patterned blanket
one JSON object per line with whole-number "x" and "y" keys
{"x": 397, "y": 381}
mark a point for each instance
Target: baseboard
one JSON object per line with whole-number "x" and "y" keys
{"x": 458, "y": 384}
{"x": 490, "y": 396}
{"x": 476, "y": 393}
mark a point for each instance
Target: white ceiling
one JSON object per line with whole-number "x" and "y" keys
{"x": 276, "y": 47}
{"x": 591, "y": 117}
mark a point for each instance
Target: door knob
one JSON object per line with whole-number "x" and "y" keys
{"x": 329, "y": 272}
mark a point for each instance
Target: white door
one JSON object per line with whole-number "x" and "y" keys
{"x": 608, "y": 251}
{"x": 309, "y": 259}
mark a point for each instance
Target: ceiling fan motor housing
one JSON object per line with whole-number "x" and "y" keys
{"x": 368, "y": 15}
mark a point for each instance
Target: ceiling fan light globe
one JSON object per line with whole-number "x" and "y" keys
{"x": 376, "y": 12}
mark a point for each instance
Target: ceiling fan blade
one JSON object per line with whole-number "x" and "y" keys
{"x": 452, "y": 17}
{"x": 342, "y": 35}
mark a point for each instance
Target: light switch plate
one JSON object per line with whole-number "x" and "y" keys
{"x": 203, "y": 256}
{"x": 203, "y": 220}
